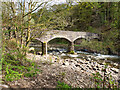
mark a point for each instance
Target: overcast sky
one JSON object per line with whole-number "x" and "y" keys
{"x": 54, "y": 1}
{"x": 58, "y": 1}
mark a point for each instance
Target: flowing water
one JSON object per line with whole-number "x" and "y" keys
{"x": 61, "y": 50}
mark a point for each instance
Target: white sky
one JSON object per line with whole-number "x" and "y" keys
{"x": 54, "y": 1}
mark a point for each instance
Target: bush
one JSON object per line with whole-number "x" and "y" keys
{"x": 15, "y": 64}
{"x": 62, "y": 85}
{"x": 15, "y": 69}
{"x": 12, "y": 43}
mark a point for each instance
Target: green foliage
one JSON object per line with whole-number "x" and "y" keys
{"x": 15, "y": 64}
{"x": 15, "y": 69}
{"x": 105, "y": 81}
{"x": 95, "y": 17}
{"x": 62, "y": 85}
{"x": 94, "y": 45}
{"x": 71, "y": 52}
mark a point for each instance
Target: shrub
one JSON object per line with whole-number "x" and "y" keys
{"x": 15, "y": 64}
{"x": 62, "y": 85}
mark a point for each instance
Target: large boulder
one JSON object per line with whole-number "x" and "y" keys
{"x": 66, "y": 64}
{"x": 31, "y": 50}
{"x": 77, "y": 65}
{"x": 88, "y": 59}
{"x": 4, "y": 86}
{"x": 116, "y": 64}
{"x": 115, "y": 70}
{"x": 89, "y": 66}
{"x": 81, "y": 61}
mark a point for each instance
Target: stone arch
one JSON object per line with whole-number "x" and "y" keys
{"x": 63, "y": 37}
{"x": 95, "y": 38}
{"x": 70, "y": 43}
{"x": 39, "y": 40}
{"x": 85, "y": 37}
{"x": 78, "y": 40}
{"x": 46, "y": 41}
{"x": 80, "y": 37}
{"x": 35, "y": 42}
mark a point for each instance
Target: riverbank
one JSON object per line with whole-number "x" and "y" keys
{"x": 75, "y": 72}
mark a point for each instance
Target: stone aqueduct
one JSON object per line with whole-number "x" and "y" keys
{"x": 71, "y": 36}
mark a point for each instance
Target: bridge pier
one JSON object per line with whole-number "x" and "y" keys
{"x": 71, "y": 47}
{"x": 44, "y": 48}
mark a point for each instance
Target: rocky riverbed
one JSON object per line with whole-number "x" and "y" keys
{"x": 75, "y": 72}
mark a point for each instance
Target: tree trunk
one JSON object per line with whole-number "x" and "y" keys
{"x": 22, "y": 23}
{"x": 28, "y": 30}
{"x": 118, "y": 15}
{"x": 9, "y": 32}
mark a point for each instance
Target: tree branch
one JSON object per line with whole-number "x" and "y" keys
{"x": 34, "y": 9}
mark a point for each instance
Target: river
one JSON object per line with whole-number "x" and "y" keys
{"x": 61, "y": 51}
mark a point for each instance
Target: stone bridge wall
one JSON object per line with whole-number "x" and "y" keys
{"x": 71, "y": 36}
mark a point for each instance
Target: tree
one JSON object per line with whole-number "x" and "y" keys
{"x": 18, "y": 16}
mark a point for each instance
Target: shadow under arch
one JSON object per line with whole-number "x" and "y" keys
{"x": 79, "y": 40}
{"x": 80, "y": 37}
{"x": 77, "y": 44}
{"x": 46, "y": 42}
{"x": 60, "y": 42}
{"x": 57, "y": 40}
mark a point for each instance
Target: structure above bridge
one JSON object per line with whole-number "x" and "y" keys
{"x": 71, "y": 36}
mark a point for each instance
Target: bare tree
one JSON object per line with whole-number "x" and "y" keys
{"x": 17, "y": 16}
